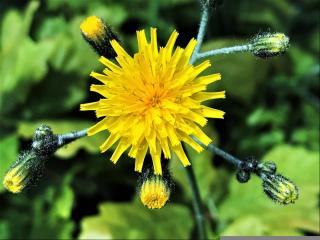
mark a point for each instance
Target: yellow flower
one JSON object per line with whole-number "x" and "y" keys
{"x": 154, "y": 192}
{"x": 153, "y": 101}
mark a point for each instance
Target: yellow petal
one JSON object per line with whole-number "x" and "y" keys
{"x": 205, "y": 80}
{"x": 156, "y": 159}
{"x": 119, "y": 50}
{"x": 142, "y": 40}
{"x": 178, "y": 150}
{"x": 211, "y": 112}
{"x": 109, "y": 142}
{"x": 204, "y": 96}
{"x": 89, "y": 106}
{"x": 170, "y": 44}
{"x": 113, "y": 67}
{"x": 100, "y": 126}
{"x": 140, "y": 157}
{"x": 122, "y": 146}
{"x": 154, "y": 44}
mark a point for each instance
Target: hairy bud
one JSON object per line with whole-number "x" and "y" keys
{"x": 154, "y": 190}
{"x": 243, "y": 176}
{"x": 23, "y": 172}
{"x": 44, "y": 142}
{"x": 98, "y": 35}
{"x": 269, "y": 44}
{"x": 279, "y": 188}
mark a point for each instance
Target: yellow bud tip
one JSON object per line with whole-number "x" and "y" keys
{"x": 154, "y": 193}
{"x": 13, "y": 181}
{"x": 93, "y": 27}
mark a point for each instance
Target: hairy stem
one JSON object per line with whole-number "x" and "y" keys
{"x": 212, "y": 148}
{"x": 197, "y": 204}
{"x": 227, "y": 50}
{"x": 69, "y": 137}
{"x": 201, "y": 32}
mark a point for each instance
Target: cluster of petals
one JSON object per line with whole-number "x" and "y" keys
{"x": 152, "y": 102}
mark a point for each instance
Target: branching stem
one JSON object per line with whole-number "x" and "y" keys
{"x": 201, "y": 32}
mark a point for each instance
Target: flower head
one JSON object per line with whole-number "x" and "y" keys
{"x": 153, "y": 101}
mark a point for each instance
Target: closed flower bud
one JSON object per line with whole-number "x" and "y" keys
{"x": 23, "y": 172}
{"x": 269, "y": 44}
{"x": 279, "y": 188}
{"x": 243, "y": 176}
{"x": 154, "y": 192}
{"x": 44, "y": 142}
{"x": 98, "y": 35}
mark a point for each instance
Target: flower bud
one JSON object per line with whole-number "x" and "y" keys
{"x": 269, "y": 44}
{"x": 154, "y": 192}
{"x": 44, "y": 142}
{"x": 98, "y": 35}
{"x": 243, "y": 176}
{"x": 279, "y": 188}
{"x": 23, "y": 172}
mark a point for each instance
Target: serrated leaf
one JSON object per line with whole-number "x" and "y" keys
{"x": 299, "y": 165}
{"x": 133, "y": 221}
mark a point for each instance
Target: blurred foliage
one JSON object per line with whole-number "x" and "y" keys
{"x": 272, "y": 111}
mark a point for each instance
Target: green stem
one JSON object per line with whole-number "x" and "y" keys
{"x": 212, "y": 148}
{"x": 197, "y": 204}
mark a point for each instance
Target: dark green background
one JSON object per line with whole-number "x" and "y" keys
{"x": 272, "y": 113}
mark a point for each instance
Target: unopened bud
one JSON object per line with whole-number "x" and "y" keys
{"x": 44, "y": 142}
{"x": 98, "y": 35}
{"x": 23, "y": 172}
{"x": 279, "y": 188}
{"x": 269, "y": 44}
{"x": 243, "y": 176}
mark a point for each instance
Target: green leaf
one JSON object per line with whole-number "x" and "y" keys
{"x": 246, "y": 226}
{"x": 90, "y": 144}
{"x": 52, "y": 212}
{"x": 304, "y": 62}
{"x": 64, "y": 203}
{"x": 23, "y": 62}
{"x": 4, "y": 230}
{"x": 240, "y": 72}
{"x": 133, "y": 221}
{"x": 299, "y": 165}
{"x": 8, "y": 154}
